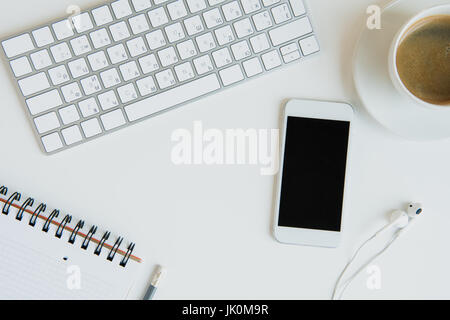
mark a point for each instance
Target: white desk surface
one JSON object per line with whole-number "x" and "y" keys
{"x": 211, "y": 225}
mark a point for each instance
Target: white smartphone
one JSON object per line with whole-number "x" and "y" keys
{"x": 313, "y": 169}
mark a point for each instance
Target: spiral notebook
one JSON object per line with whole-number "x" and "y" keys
{"x": 46, "y": 253}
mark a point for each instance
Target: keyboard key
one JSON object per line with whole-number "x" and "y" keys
{"x": 43, "y": 36}
{"x": 108, "y": 100}
{"x": 102, "y": 15}
{"x": 47, "y": 122}
{"x": 184, "y": 71}
{"x": 71, "y": 92}
{"x": 205, "y": 42}
{"x": 186, "y": 49}
{"x": 194, "y": 25}
{"x": 290, "y": 52}
{"x": 252, "y": 67}
{"x": 224, "y": 35}
{"x": 214, "y": 2}
{"x": 271, "y": 59}
{"x": 78, "y": 68}
{"x": 34, "y": 84}
{"x": 250, "y": 5}
{"x": 177, "y": 10}
{"x": 61, "y": 52}
{"x": 82, "y": 22}
{"x": 117, "y": 53}
{"x": 196, "y": 5}
{"x": 110, "y": 78}
{"x": 88, "y": 107}
{"x": 290, "y": 31}
{"x": 232, "y": 11}
{"x": 91, "y": 85}
{"x": 129, "y": 71}
{"x": 203, "y": 64}
{"x": 231, "y": 75}
{"x": 260, "y": 43}
{"x": 18, "y": 45}
{"x": 148, "y": 63}
{"x": 21, "y": 66}
{"x": 262, "y": 20}
{"x": 113, "y": 120}
{"x": 292, "y": 56}
{"x": 127, "y": 93}
{"x": 69, "y": 114}
{"x": 309, "y": 45}
{"x": 58, "y": 75}
{"x": 80, "y": 45}
{"x": 91, "y": 128}
{"x": 63, "y": 29}
{"x": 158, "y": 17}
{"x": 281, "y": 13}
{"x": 172, "y": 97}
{"x": 44, "y": 102}
{"x": 243, "y": 28}
{"x": 140, "y": 5}
{"x": 121, "y": 8}
{"x": 52, "y": 142}
{"x": 146, "y": 86}
{"x": 268, "y": 3}
{"x": 119, "y": 31}
{"x": 241, "y": 50}
{"x": 41, "y": 59}
{"x": 297, "y": 7}
{"x": 100, "y": 38}
{"x": 213, "y": 18}
{"x": 71, "y": 135}
{"x": 139, "y": 24}
{"x": 167, "y": 56}
{"x": 174, "y": 32}
{"x": 165, "y": 79}
{"x": 288, "y": 48}
{"x": 136, "y": 47}
{"x": 98, "y": 60}
{"x": 222, "y": 57}
{"x": 156, "y": 39}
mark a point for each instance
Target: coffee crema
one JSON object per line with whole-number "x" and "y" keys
{"x": 423, "y": 60}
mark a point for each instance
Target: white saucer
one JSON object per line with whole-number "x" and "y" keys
{"x": 393, "y": 110}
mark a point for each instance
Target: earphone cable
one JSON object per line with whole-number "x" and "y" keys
{"x": 353, "y": 258}
{"x": 349, "y": 280}
{"x": 351, "y": 261}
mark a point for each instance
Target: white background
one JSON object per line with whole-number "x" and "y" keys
{"x": 211, "y": 225}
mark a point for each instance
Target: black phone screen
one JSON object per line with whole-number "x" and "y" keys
{"x": 313, "y": 178}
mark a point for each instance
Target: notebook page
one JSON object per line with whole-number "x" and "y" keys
{"x": 37, "y": 265}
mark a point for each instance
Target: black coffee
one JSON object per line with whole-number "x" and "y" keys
{"x": 423, "y": 59}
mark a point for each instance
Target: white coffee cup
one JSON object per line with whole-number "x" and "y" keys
{"x": 393, "y": 71}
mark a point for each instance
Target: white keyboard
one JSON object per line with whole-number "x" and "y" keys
{"x": 122, "y": 62}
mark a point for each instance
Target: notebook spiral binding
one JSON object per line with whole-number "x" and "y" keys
{"x": 14, "y": 200}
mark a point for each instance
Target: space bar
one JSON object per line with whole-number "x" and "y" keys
{"x": 172, "y": 97}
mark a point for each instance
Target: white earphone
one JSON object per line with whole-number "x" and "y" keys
{"x": 399, "y": 220}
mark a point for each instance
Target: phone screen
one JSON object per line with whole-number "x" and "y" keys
{"x": 313, "y": 178}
